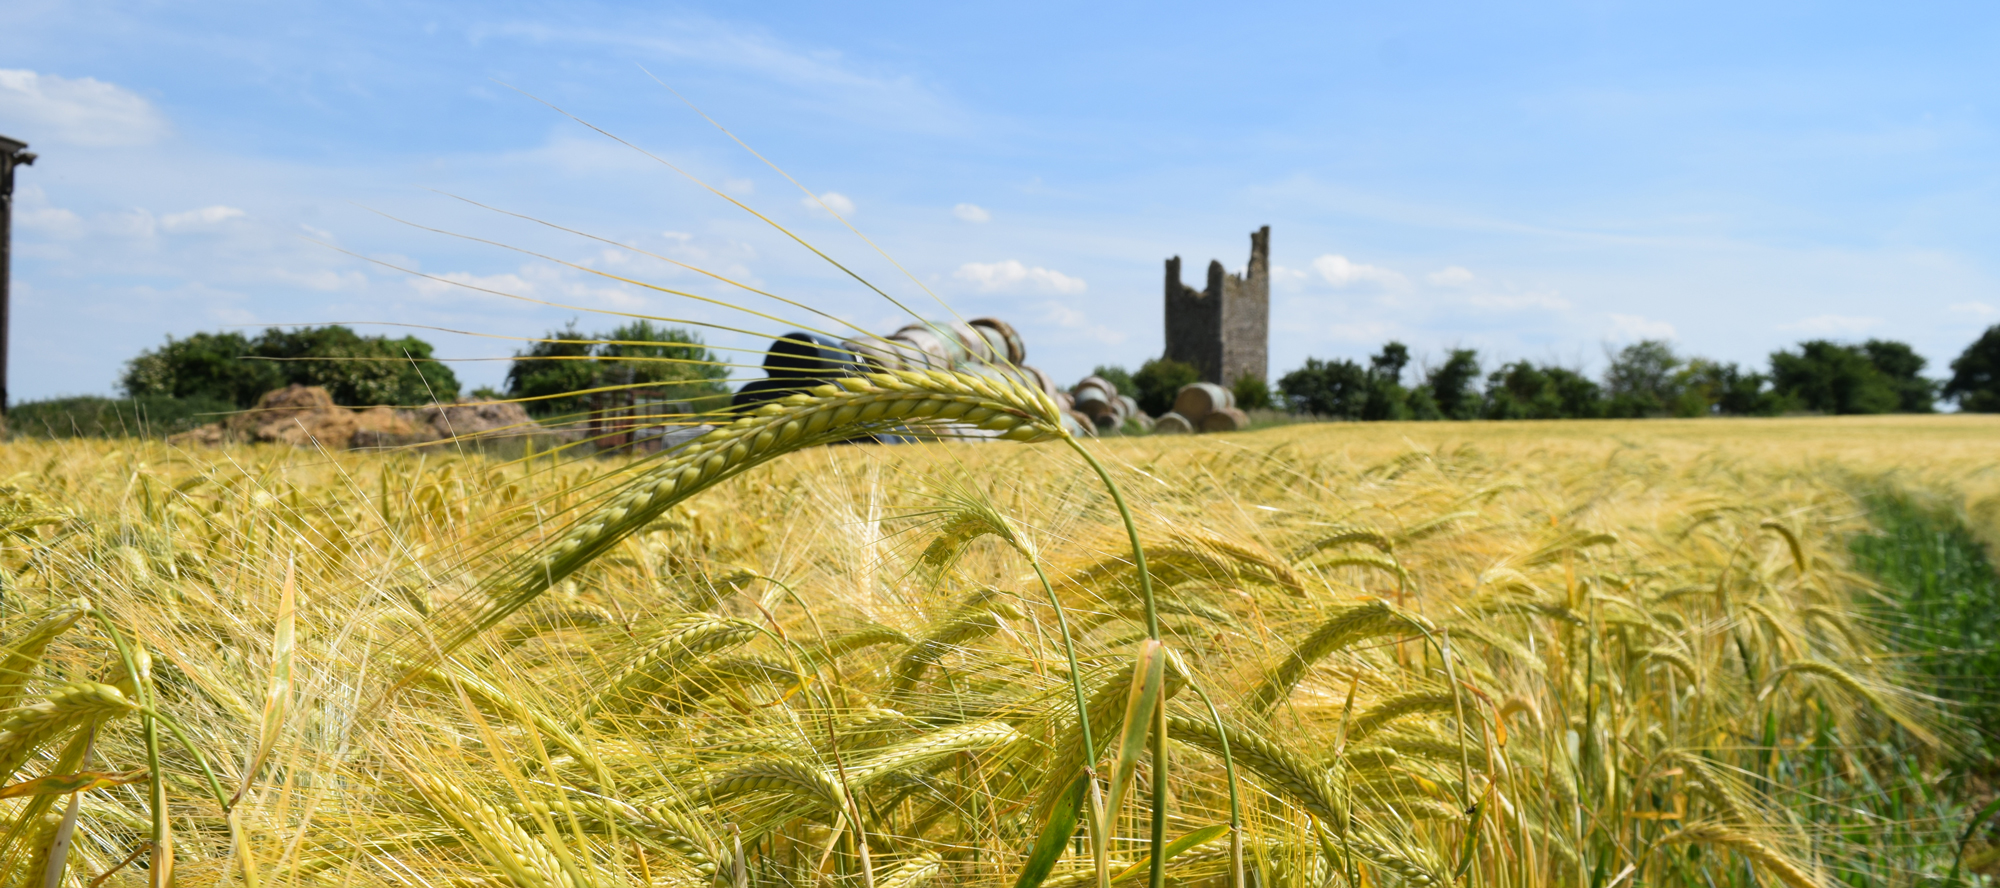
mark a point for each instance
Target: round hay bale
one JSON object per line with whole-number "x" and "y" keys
{"x": 1171, "y": 423}
{"x": 1092, "y": 400}
{"x": 1131, "y": 406}
{"x": 1003, "y": 338}
{"x": 1226, "y": 419}
{"x": 1198, "y": 399}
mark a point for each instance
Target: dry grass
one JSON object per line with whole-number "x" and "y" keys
{"x": 1513, "y": 653}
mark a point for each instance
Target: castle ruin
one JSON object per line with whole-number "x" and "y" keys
{"x": 1224, "y": 330}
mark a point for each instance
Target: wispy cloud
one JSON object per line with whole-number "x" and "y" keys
{"x": 1453, "y": 276}
{"x": 971, "y": 213}
{"x": 841, "y": 204}
{"x": 1340, "y": 271}
{"x": 1831, "y": 325}
{"x": 202, "y": 218}
{"x": 1069, "y": 317}
{"x": 1012, "y": 274}
{"x": 1627, "y": 327}
{"x": 83, "y": 111}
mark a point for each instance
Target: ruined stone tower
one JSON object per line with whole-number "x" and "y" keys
{"x": 1224, "y": 330}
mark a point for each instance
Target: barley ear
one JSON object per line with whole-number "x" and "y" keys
{"x": 860, "y": 405}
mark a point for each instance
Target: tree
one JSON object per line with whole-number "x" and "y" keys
{"x": 1640, "y": 380}
{"x": 355, "y": 369}
{"x": 1387, "y": 399}
{"x": 1904, "y": 368}
{"x": 1975, "y": 375}
{"x": 1831, "y": 378}
{"x": 207, "y": 366}
{"x": 1453, "y": 385}
{"x": 358, "y": 370}
{"x": 1119, "y": 377}
{"x": 669, "y": 360}
{"x": 1159, "y": 381}
{"x": 551, "y": 368}
{"x": 1336, "y": 389}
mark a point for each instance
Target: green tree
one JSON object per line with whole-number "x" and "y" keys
{"x": 1336, "y": 389}
{"x": 670, "y": 361}
{"x": 1159, "y": 381}
{"x": 1828, "y": 377}
{"x": 1641, "y": 381}
{"x": 1387, "y": 398}
{"x": 1904, "y": 368}
{"x": 1975, "y": 375}
{"x": 206, "y": 366}
{"x": 356, "y": 370}
{"x": 1119, "y": 377}
{"x": 1454, "y": 386}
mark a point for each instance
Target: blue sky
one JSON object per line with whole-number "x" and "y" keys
{"x": 1535, "y": 181}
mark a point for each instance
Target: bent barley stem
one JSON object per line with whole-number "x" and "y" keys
{"x": 1158, "y": 875}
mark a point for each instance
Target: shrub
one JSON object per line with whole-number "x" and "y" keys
{"x": 1251, "y": 392}
{"x": 90, "y": 416}
{"x": 1525, "y": 391}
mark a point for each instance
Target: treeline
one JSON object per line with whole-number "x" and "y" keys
{"x": 1644, "y": 379}
{"x": 188, "y": 381}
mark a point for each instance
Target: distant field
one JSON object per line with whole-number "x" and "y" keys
{"x": 1513, "y": 653}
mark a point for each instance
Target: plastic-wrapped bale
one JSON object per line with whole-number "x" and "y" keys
{"x": 1197, "y": 400}
{"x": 1225, "y": 419}
{"x": 1171, "y": 423}
{"x": 795, "y": 362}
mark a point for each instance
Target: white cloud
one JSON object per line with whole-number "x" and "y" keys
{"x": 1975, "y": 309}
{"x": 1831, "y": 325}
{"x": 456, "y": 282}
{"x": 33, "y": 213}
{"x": 832, "y": 200}
{"x": 1546, "y": 300}
{"x": 1340, "y": 272}
{"x": 1625, "y": 327}
{"x": 991, "y": 277}
{"x": 84, "y": 111}
{"x": 739, "y": 187}
{"x": 1368, "y": 331}
{"x": 205, "y": 216}
{"x": 1067, "y": 316}
{"x": 971, "y": 213}
{"x": 1452, "y": 276}
{"x": 132, "y": 223}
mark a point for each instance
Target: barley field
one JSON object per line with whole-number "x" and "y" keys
{"x": 1494, "y": 654}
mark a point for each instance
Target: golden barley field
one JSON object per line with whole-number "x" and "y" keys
{"x": 1494, "y": 654}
